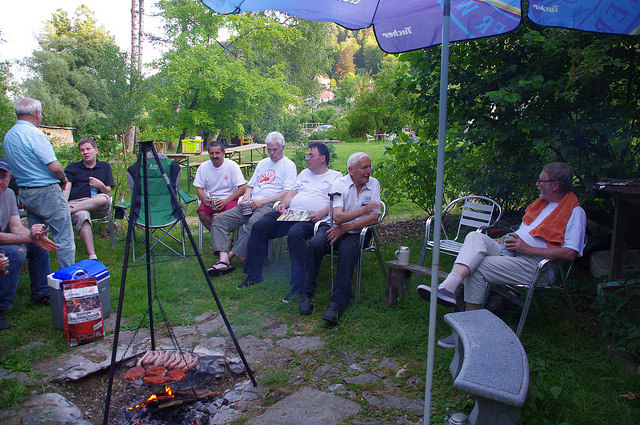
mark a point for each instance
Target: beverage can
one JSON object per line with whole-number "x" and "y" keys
{"x": 3, "y": 259}
{"x": 504, "y": 250}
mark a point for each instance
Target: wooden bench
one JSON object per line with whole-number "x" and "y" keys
{"x": 398, "y": 279}
{"x": 490, "y": 364}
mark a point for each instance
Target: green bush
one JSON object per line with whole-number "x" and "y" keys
{"x": 621, "y": 318}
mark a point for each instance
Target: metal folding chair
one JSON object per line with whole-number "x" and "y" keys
{"x": 477, "y": 213}
{"x": 369, "y": 242}
{"x": 540, "y": 281}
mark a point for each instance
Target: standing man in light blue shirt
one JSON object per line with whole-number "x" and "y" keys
{"x": 40, "y": 177}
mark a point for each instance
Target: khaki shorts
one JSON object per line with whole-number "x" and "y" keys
{"x": 80, "y": 217}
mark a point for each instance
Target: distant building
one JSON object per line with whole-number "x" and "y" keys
{"x": 323, "y": 81}
{"x": 326, "y": 96}
{"x": 59, "y": 136}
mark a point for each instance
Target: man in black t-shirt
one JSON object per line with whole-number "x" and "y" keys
{"x": 88, "y": 191}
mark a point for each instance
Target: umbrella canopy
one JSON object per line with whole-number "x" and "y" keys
{"x": 405, "y": 25}
{"x": 401, "y": 26}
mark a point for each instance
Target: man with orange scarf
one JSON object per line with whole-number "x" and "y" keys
{"x": 553, "y": 227}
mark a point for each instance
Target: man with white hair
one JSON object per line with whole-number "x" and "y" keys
{"x": 273, "y": 177}
{"x": 40, "y": 177}
{"x": 357, "y": 206}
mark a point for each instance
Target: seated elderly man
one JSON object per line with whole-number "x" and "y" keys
{"x": 357, "y": 206}
{"x": 311, "y": 194}
{"x": 88, "y": 191}
{"x": 272, "y": 178}
{"x": 553, "y": 227}
{"x": 219, "y": 183}
{"x": 18, "y": 243}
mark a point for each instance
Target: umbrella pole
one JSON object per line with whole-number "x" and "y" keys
{"x": 435, "y": 262}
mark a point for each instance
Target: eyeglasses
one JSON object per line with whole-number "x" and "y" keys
{"x": 309, "y": 156}
{"x": 546, "y": 181}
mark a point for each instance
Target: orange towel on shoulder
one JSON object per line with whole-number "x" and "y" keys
{"x": 552, "y": 228}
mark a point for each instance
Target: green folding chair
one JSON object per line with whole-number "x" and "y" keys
{"x": 163, "y": 214}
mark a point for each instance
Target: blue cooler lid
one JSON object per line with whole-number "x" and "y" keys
{"x": 83, "y": 268}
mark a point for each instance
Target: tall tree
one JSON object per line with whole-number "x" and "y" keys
{"x": 137, "y": 32}
{"x": 7, "y": 116}
{"x": 344, "y": 64}
{"x": 82, "y": 77}
{"x": 232, "y": 74}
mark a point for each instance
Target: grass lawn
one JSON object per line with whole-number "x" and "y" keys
{"x": 572, "y": 378}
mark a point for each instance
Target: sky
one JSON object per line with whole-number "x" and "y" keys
{"x": 21, "y": 21}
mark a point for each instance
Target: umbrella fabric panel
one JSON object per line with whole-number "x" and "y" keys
{"x": 400, "y": 26}
{"x": 606, "y": 16}
{"x": 423, "y": 28}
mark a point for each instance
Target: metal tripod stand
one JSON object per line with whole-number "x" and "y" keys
{"x": 144, "y": 148}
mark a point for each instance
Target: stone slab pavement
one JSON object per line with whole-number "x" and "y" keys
{"x": 327, "y": 402}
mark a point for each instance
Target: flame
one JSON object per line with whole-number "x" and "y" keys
{"x": 167, "y": 389}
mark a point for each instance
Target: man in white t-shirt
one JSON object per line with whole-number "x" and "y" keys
{"x": 272, "y": 178}
{"x": 310, "y": 195}
{"x": 219, "y": 183}
{"x": 553, "y": 227}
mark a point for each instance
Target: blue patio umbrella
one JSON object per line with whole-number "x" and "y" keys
{"x": 405, "y": 25}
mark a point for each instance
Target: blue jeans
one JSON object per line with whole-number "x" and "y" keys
{"x": 48, "y": 205}
{"x": 267, "y": 228}
{"x": 38, "y": 271}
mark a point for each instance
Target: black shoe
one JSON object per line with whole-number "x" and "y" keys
{"x": 305, "y": 305}
{"x": 4, "y": 324}
{"x": 246, "y": 283}
{"x": 41, "y": 300}
{"x": 292, "y": 295}
{"x": 332, "y": 314}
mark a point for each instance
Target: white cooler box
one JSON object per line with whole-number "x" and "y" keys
{"x": 79, "y": 270}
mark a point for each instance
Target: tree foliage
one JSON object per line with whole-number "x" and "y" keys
{"x": 344, "y": 64}
{"x": 82, "y": 78}
{"x": 232, "y": 74}
{"x": 7, "y": 115}
{"x": 533, "y": 96}
{"x": 377, "y": 107}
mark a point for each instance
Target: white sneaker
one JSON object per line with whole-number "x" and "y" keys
{"x": 447, "y": 342}
{"x": 445, "y": 297}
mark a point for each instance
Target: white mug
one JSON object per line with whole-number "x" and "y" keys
{"x": 402, "y": 254}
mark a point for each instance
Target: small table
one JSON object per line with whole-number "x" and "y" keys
{"x": 626, "y": 194}
{"x": 398, "y": 278}
{"x": 187, "y": 161}
{"x": 380, "y": 136}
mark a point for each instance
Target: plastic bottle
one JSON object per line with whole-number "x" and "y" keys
{"x": 94, "y": 192}
{"x": 122, "y": 199}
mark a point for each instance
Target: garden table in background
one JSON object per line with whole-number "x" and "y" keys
{"x": 235, "y": 153}
{"x": 626, "y": 194}
{"x": 187, "y": 161}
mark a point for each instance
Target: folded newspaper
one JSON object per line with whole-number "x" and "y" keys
{"x": 295, "y": 215}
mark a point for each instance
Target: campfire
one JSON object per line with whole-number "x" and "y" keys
{"x": 170, "y": 399}
{"x": 193, "y": 399}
